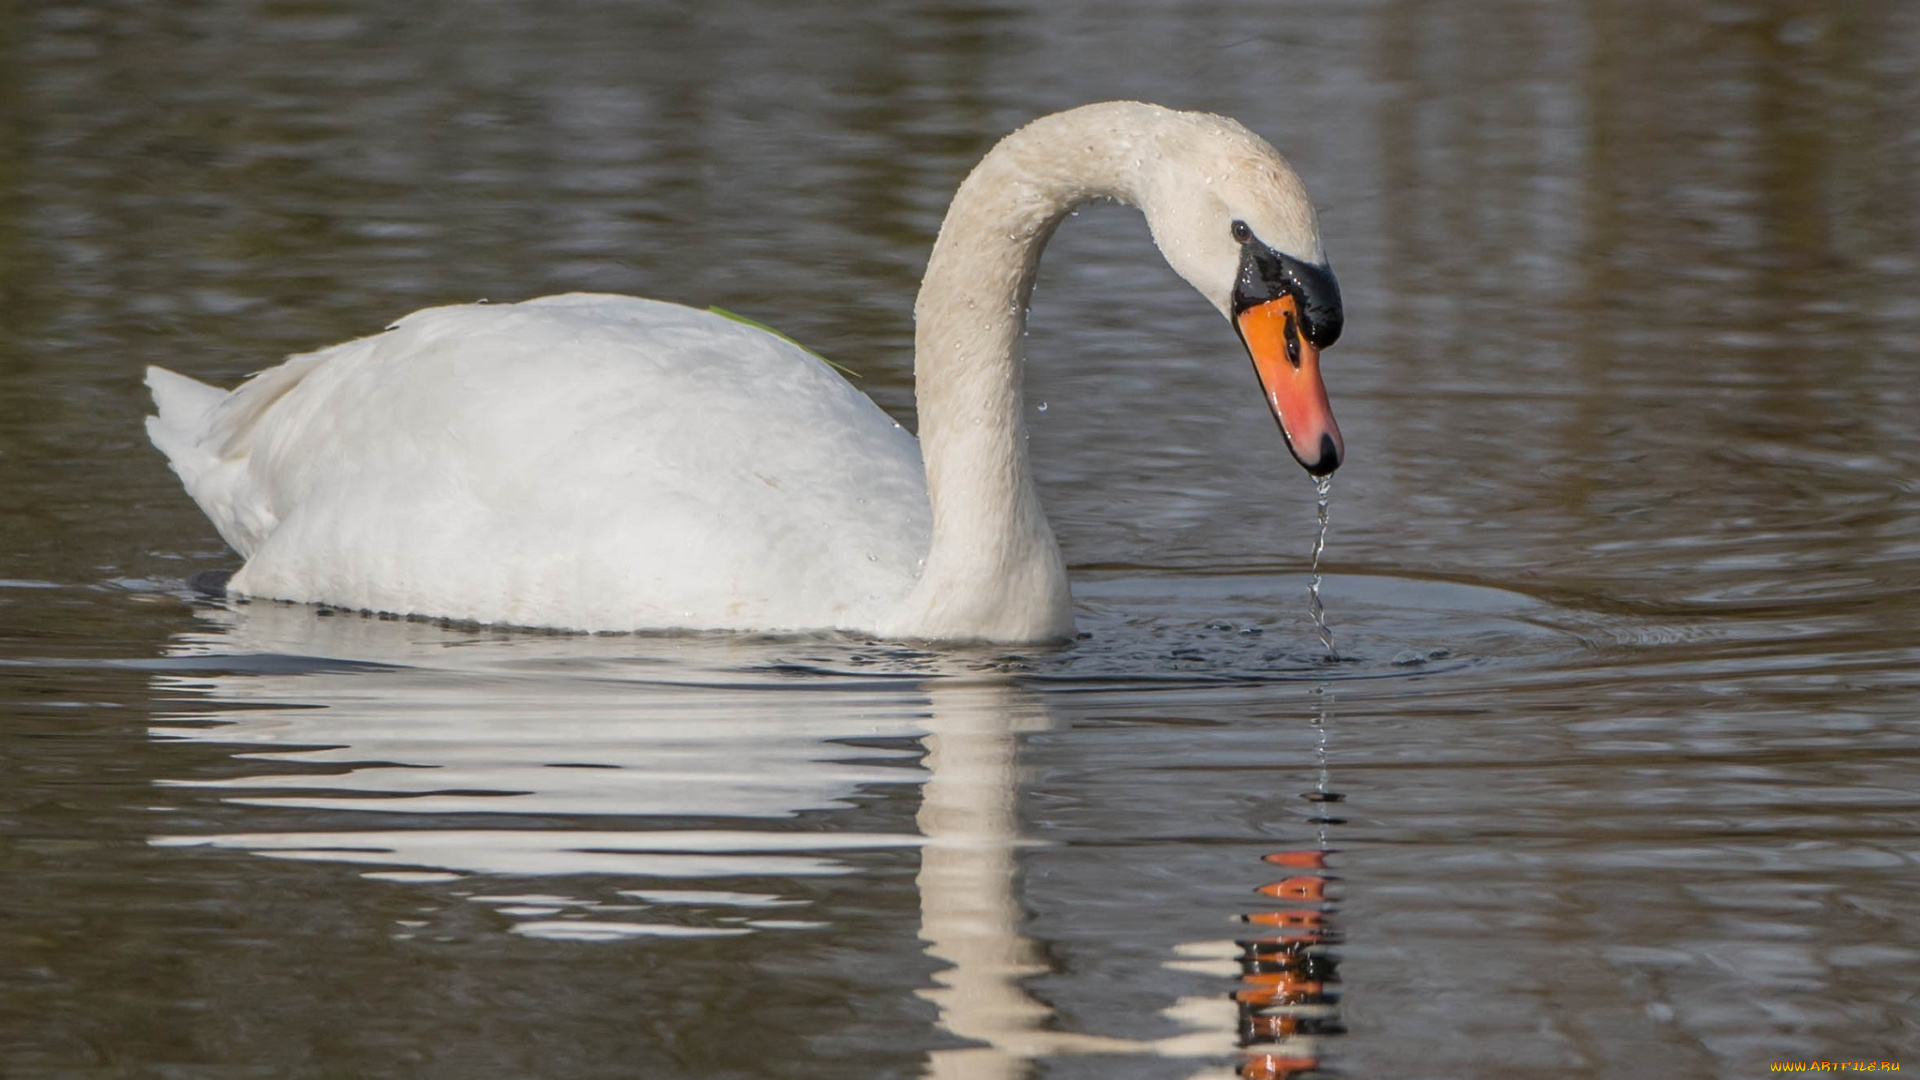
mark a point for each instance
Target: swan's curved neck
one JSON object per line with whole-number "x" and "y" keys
{"x": 993, "y": 570}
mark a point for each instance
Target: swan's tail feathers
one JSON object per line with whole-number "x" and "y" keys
{"x": 179, "y": 397}
{"x": 183, "y": 429}
{"x": 180, "y": 429}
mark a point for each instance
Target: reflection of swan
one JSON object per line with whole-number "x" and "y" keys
{"x": 580, "y": 734}
{"x": 970, "y": 919}
{"x": 608, "y": 463}
{"x": 611, "y": 758}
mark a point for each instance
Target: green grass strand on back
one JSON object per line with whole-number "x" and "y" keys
{"x": 757, "y": 325}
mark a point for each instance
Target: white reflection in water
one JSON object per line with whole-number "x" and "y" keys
{"x": 648, "y": 853}
{"x": 969, "y": 916}
{"x": 410, "y": 718}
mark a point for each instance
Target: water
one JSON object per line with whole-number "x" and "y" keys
{"x": 1624, "y": 723}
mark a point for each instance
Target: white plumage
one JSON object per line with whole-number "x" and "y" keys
{"x": 569, "y": 462}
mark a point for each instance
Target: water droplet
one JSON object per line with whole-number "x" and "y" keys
{"x": 871, "y": 557}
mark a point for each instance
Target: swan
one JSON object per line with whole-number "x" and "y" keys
{"x": 593, "y": 462}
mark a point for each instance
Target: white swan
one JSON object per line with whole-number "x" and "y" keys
{"x": 592, "y": 462}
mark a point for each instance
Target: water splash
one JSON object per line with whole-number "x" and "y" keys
{"x": 1323, "y": 485}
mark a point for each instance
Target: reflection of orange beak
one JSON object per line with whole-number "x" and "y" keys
{"x": 1289, "y": 369}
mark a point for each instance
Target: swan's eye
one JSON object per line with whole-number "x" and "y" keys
{"x": 1241, "y": 233}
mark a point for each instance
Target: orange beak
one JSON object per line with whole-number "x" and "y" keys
{"x": 1289, "y": 369}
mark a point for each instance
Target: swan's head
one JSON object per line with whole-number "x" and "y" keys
{"x": 1233, "y": 219}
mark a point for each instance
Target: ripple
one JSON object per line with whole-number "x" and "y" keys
{"x": 607, "y": 930}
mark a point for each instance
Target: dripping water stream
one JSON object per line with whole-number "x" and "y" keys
{"x": 1323, "y": 487}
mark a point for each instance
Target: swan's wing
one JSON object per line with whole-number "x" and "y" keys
{"x": 580, "y": 461}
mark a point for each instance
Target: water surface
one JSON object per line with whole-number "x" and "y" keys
{"x": 1617, "y": 774}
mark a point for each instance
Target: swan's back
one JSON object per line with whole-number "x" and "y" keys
{"x": 582, "y": 461}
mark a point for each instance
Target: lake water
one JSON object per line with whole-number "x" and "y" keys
{"x": 1618, "y": 774}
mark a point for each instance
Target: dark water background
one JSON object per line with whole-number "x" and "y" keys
{"x": 1625, "y": 561}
